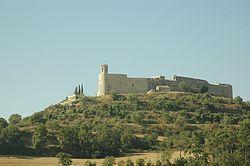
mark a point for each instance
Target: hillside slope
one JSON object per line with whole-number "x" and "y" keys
{"x": 94, "y": 127}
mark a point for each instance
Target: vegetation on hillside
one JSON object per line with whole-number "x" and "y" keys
{"x": 211, "y": 129}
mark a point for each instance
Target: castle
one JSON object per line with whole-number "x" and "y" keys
{"x": 121, "y": 83}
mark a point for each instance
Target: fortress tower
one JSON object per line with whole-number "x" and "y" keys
{"x": 102, "y": 83}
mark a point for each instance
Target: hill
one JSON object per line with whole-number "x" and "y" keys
{"x": 93, "y": 127}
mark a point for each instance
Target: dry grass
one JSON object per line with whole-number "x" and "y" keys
{"x": 50, "y": 161}
{"x": 47, "y": 161}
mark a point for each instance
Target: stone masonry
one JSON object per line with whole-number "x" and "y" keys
{"x": 121, "y": 83}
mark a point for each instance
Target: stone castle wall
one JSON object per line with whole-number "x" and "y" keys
{"x": 120, "y": 83}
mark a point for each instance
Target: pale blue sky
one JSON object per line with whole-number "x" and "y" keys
{"x": 47, "y": 47}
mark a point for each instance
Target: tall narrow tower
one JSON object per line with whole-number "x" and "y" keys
{"x": 102, "y": 87}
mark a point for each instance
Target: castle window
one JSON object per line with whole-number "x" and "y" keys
{"x": 133, "y": 85}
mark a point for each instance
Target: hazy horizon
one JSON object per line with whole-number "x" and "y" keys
{"x": 49, "y": 47}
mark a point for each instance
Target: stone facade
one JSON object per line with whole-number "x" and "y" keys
{"x": 121, "y": 83}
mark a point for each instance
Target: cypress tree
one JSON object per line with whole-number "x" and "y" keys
{"x": 82, "y": 89}
{"x": 76, "y": 90}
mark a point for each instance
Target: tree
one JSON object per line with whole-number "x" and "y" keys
{"x": 11, "y": 141}
{"x": 109, "y": 161}
{"x": 129, "y": 162}
{"x": 3, "y": 123}
{"x": 121, "y": 163}
{"x": 198, "y": 146}
{"x": 184, "y": 86}
{"x": 238, "y": 100}
{"x": 64, "y": 159}
{"x": 140, "y": 162}
{"x": 138, "y": 117}
{"x": 76, "y": 91}
{"x": 68, "y": 140}
{"x": 38, "y": 117}
{"x": 39, "y": 138}
{"x": 204, "y": 89}
{"x": 82, "y": 89}
{"x": 244, "y": 139}
{"x": 226, "y": 120}
{"x": 180, "y": 142}
{"x": 89, "y": 163}
{"x": 15, "y": 119}
{"x": 165, "y": 158}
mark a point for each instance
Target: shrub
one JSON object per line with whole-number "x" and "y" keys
{"x": 89, "y": 163}
{"x": 238, "y": 100}
{"x": 109, "y": 161}
{"x": 140, "y": 162}
{"x": 129, "y": 162}
{"x": 121, "y": 163}
{"x": 204, "y": 89}
{"x": 184, "y": 86}
{"x": 64, "y": 159}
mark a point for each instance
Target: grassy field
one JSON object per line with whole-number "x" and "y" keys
{"x": 44, "y": 161}
{"x": 47, "y": 161}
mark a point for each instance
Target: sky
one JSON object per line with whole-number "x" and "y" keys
{"x": 47, "y": 47}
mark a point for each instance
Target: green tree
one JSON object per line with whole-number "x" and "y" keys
{"x": 184, "y": 86}
{"x": 138, "y": 117}
{"x": 64, "y": 159}
{"x": 121, "y": 163}
{"x": 244, "y": 139}
{"x": 109, "y": 161}
{"x": 238, "y": 100}
{"x": 140, "y": 162}
{"x": 158, "y": 163}
{"x": 204, "y": 89}
{"x": 226, "y": 120}
{"x": 11, "y": 141}
{"x": 15, "y": 119}
{"x": 133, "y": 98}
{"x": 198, "y": 146}
{"x": 89, "y": 163}
{"x": 39, "y": 138}
{"x": 3, "y": 123}
{"x": 38, "y": 117}
{"x": 129, "y": 162}
{"x": 85, "y": 139}
{"x": 165, "y": 158}
{"x": 180, "y": 142}
{"x": 68, "y": 140}
{"x": 149, "y": 163}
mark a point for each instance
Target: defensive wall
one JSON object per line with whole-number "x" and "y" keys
{"x": 121, "y": 83}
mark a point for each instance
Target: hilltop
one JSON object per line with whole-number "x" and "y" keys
{"x": 115, "y": 125}
{"x": 144, "y": 109}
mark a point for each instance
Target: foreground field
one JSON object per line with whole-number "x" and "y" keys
{"x": 44, "y": 161}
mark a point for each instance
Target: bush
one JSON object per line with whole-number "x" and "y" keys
{"x": 121, "y": 163}
{"x": 64, "y": 159}
{"x": 129, "y": 162}
{"x": 204, "y": 89}
{"x": 238, "y": 100}
{"x": 180, "y": 162}
{"x": 15, "y": 119}
{"x": 140, "y": 162}
{"x": 89, "y": 163}
{"x": 109, "y": 161}
{"x": 184, "y": 86}
{"x": 3, "y": 123}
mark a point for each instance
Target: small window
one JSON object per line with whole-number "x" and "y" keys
{"x": 133, "y": 85}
